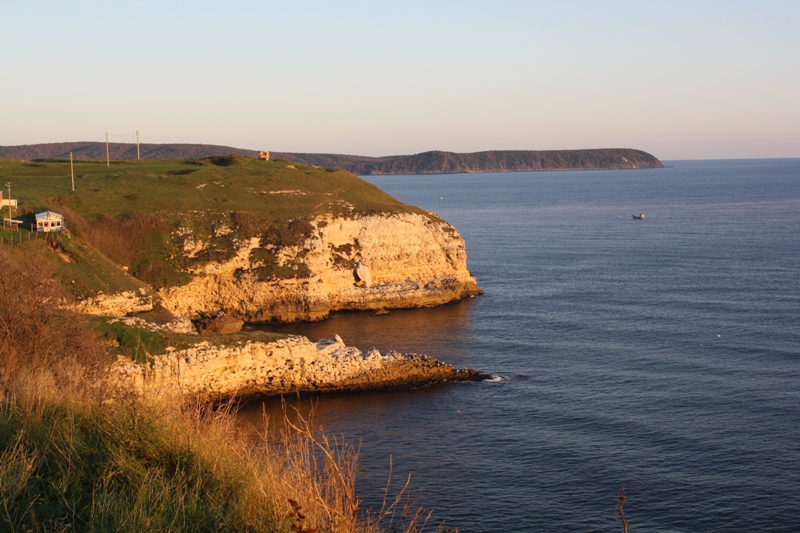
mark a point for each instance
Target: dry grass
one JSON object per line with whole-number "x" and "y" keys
{"x": 620, "y": 512}
{"x": 122, "y": 240}
{"x": 313, "y": 483}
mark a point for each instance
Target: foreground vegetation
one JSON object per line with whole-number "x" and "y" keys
{"x": 76, "y": 454}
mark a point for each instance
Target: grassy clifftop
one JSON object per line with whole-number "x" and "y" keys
{"x": 144, "y": 215}
{"x": 273, "y": 189}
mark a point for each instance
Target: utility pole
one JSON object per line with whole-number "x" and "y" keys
{"x": 72, "y": 172}
{"x": 108, "y": 162}
{"x": 8, "y": 186}
{"x": 137, "y": 145}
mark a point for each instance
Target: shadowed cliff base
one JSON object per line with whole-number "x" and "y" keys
{"x": 433, "y": 162}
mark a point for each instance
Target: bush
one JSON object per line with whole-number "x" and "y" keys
{"x": 36, "y": 334}
{"x": 248, "y": 224}
{"x": 292, "y": 233}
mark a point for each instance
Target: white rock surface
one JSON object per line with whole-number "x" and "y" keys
{"x": 117, "y": 305}
{"x": 363, "y": 275}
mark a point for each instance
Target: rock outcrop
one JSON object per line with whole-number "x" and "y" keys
{"x": 257, "y": 369}
{"x": 219, "y": 324}
{"x": 371, "y": 262}
{"x": 116, "y": 305}
{"x": 181, "y": 325}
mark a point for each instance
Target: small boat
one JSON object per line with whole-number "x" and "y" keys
{"x": 640, "y": 216}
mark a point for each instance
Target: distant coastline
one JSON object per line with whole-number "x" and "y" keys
{"x": 434, "y": 162}
{"x": 491, "y": 161}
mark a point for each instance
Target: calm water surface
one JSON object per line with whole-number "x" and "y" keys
{"x": 661, "y": 354}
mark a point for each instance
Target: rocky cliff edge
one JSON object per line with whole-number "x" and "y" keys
{"x": 382, "y": 261}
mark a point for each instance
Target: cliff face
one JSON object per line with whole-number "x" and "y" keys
{"x": 361, "y": 263}
{"x": 256, "y": 369}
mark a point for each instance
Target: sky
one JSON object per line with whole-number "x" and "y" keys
{"x": 681, "y": 80}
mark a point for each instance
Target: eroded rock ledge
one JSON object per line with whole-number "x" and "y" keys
{"x": 294, "y": 364}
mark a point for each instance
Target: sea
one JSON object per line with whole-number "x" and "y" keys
{"x": 661, "y": 355}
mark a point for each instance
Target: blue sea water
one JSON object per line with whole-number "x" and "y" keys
{"x": 661, "y": 354}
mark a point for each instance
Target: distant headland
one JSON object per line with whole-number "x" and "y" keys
{"x": 434, "y": 162}
{"x": 492, "y": 161}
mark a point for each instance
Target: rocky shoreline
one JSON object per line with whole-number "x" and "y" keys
{"x": 293, "y": 365}
{"x": 368, "y": 263}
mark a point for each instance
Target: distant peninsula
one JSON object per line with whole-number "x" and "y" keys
{"x": 492, "y": 161}
{"x": 434, "y": 162}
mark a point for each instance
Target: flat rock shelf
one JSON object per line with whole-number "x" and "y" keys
{"x": 291, "y": 365}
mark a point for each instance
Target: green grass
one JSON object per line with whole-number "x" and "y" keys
{"x": 139, "y": 344}
{"x": 176, "y": 189}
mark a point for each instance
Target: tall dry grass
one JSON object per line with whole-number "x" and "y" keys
{"x": 77, "y": 454}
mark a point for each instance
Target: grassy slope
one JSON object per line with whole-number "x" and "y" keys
{"x": 82, "y": 270}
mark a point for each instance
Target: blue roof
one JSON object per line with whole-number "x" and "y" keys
{"x": 47, "y": 214}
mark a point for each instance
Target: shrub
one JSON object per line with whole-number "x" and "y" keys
{"x": 292, "y": 233}
{"x": 249, "y": 224}
{"x": 122, "y": 240}
{"x": 223, "y": 161}
{"x": 35, "y": 332}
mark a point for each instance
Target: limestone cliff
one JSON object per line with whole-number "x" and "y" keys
{"x": 256, "y": 369}
{"x": 363, "y": 262}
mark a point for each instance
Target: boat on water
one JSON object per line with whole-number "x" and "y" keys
{"x": 640, "y": 216}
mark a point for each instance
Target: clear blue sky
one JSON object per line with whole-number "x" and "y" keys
{"x": 682, "y": 80}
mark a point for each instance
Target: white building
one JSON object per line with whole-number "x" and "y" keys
{"x": 49, "y": 221}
